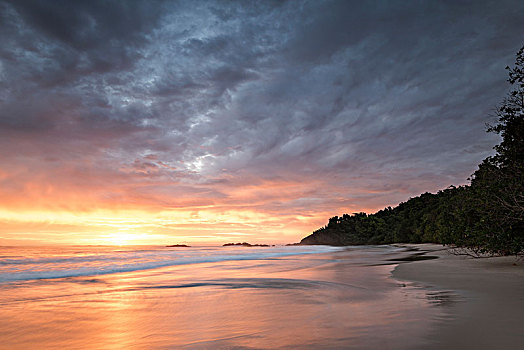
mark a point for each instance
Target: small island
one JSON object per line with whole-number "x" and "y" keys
{"x": 178, "y": 246}
{"x": 245, "y": 244}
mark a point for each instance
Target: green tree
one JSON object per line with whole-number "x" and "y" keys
{"x": 497, "y": 187}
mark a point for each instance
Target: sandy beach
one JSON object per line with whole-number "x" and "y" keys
{"x": 489, "y": 312}
{"x": 299, "y": 297}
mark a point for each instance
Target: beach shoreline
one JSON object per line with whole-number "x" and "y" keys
{"x": 489, "y": 312}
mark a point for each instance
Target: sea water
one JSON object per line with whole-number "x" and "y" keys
{"x": 294, "y": 297}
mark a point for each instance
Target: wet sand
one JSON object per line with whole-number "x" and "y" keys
{"x": 342, "y": 298}
{"x": 249, "y": 298}
{"x": 489, "y": 313}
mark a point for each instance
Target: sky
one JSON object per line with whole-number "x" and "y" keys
{"x": 152, "y": 122}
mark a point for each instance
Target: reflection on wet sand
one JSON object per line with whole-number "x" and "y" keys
{"x": 322, "y": 301}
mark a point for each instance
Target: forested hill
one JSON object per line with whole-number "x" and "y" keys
{"x": 486, "y": 216}
{"x": 427, "y": 218}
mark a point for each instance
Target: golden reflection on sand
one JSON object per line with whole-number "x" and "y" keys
{"x": 321, "y": 301}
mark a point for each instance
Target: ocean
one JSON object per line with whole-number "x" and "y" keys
{"x": 283, "y": 297}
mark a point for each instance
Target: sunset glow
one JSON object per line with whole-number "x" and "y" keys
{"x": 155, "y": 211}
{"x": 222, "y": 122}
{"x": 261, "y": 174}
{"x": 141, "y": 227}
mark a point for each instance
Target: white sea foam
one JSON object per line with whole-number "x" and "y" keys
{"x": 93, "y": 262}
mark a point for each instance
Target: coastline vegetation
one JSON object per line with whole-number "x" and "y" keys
{"x": 484, "y": 217}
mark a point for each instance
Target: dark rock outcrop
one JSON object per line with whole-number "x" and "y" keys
{"x": 245, "y": 244}
{"x": 324, "y": 238}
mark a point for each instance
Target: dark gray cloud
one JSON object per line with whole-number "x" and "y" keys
{"x": 368, "y": 102}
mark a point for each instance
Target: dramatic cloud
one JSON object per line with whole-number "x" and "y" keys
{"x": 260, "y": 118}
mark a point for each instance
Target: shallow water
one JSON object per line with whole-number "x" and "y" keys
{"x": 211, "y": 298}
